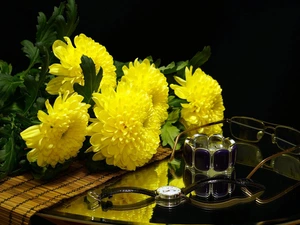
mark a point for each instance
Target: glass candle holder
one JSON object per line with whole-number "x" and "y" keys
{"x": 204, "y": 153}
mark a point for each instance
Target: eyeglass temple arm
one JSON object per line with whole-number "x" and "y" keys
{"x": 265, "y": 201}
{"x": 259, "y": 165}
{"x": 192, "y": 129}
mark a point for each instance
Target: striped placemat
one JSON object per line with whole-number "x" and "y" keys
{"x": 22, "y": 196}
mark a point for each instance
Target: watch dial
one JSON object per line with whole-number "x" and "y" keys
{"x": 168, "y": 192}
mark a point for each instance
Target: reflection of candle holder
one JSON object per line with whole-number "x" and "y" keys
{"x": 209, "y": 157}
{"x": 216, "y": 190}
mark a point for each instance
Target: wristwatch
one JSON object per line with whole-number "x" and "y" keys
{"x": 171, "y": 196}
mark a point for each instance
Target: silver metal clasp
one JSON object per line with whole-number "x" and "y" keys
{"x": 93, "y": 200}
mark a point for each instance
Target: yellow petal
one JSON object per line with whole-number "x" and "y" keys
{"x": 180, "y": 81}
{"x": 32, "y": 156}
{"x": 98, "y": 156}
{"x": 30, "y": 132}
{"x": 58, "y": 69}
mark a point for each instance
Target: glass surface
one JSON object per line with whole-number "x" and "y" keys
{"x": 278, "y": 175}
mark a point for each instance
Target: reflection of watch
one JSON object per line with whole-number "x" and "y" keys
{"x": 170, "y": 196}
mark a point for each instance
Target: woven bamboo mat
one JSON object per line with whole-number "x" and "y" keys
{"x": 22, "y": 196}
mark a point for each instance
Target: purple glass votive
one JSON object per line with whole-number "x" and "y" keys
{"x": 203, "y": 152}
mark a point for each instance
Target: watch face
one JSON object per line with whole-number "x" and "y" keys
{"x": 169, "y": 196}
{"x": 169, "y": 192}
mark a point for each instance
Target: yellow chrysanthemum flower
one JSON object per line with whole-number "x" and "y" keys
{"x": 69, "y": 72}
{"x": 124, "y": 132}
{"x": 205, "y": 102}
{"x": 148, "y": 78}
{"x": 61, "y": 133}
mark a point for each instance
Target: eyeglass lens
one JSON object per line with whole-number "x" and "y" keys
{"x": 246, "y": 129}
{"x": 287, "y": 137}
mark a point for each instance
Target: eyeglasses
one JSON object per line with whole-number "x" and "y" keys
{"x": 252, "y": 130}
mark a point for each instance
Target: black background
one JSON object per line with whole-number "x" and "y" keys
{"x": 255, "y": 43}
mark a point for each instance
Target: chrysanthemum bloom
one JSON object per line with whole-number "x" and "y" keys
{"x": 69, "y": 72}
{"x": 124, "y": 132}
{"x": 145, "y": 76}
{"x": 205, "y": 102}
{"x": 61, "y": 133}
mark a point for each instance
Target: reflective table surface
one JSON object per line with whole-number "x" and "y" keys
{"x": 279, "y": 204}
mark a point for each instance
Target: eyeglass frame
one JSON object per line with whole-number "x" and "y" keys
{"x": 229, "y": 120}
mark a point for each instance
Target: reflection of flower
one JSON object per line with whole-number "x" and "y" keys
{"x": 205, "y": 103}
{"x": 148, "y": 78}
{"x": 152, "y": 177}
{"x": 61, "y": 132}
{"x": 124, "y": 131}
{"x": 145, "y": 178}
{"x": 69, "y": 72}
{"x": 177, "y": 182}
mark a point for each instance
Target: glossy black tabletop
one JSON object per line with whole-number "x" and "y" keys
{"x": 279, "y": 176}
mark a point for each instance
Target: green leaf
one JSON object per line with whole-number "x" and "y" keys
{"x": 31, "y": 52}
{"x": 46, "y": 32}
{"x": 168, "y": 134}
{"x": 150, "y": 58}
{"x": 174, "y": 116}
{"x": 200, "y": 57}
{"x": 57, "y": 27}
{"x": 65, "y": 27}
{"x": 176, "y": 166}
{"x": 32, "y": 87}
{"x": 72, "y": 18}
{"x": 8, "y": 86}
{"x": 5, "y": 68}
{"x": 181, "y": 65}
{"x": 174, "y": 67}
{"x": 175, "y": 101}
{"x": 170, "y": 68}
{"x": 91, "y": 80}
{"x": 8, "y": 157}
{"x": 119, "y": 65}
{"x": 157, "y": 63}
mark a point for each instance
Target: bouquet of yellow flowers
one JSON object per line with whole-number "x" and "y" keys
{"x": 75, "y": 101}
